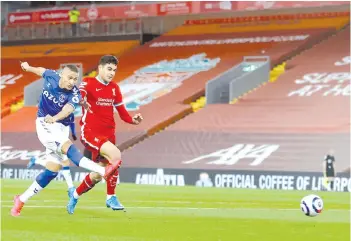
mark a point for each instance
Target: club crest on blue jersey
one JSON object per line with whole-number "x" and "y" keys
{"x": 62, "y": 98}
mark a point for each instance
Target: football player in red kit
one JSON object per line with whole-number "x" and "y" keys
{"x": 101, "y": 96}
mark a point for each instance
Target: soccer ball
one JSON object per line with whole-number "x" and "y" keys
{"x": 311, "y": 205}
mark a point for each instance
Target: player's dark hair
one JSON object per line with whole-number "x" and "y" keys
{"x": 108, "y": 59}
{"x": 72, "y": 68}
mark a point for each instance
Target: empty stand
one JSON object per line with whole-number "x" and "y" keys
{"x": 161, "y": 106}
{"x": 156, "y": 79}
{"x": 282, "y": 126}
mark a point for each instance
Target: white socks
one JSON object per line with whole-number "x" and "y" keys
{"x": 68, "y": 177}
{"x": 30, "y": 192}
{"x": 75, "y": 194}
{"x": 91, "y": 166}
{"x": 109, "y": 196}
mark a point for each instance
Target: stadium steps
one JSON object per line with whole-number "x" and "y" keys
{"x": 12, "y": 106}
{"x": 158, "y": 128}
{"x": 279, "y": 69}
{"x": 198, "y": 100}
{"x": 16, "y": 106}
{"x": 283, "y": 61}
{"x": 193, "y": 107}
{"x": 273, "y": 76}
{"x": 198, "y": 104}
{"x": 321, "y": 40}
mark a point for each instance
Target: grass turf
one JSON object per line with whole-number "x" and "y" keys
{"x": 173, "y": 213}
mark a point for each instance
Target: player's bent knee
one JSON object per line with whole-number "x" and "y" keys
{"x": 54, "y": 167}
{"x": 110, "y": 152}
{"x": 65, "y": 163}
{"x": 74, "y": 154}
{"x": 95, "y": 177}
{"x": 65, "y": 146}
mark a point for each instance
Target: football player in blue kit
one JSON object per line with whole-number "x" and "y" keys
{"x": 65, "y": 171}
{"x": 58, "y": 100}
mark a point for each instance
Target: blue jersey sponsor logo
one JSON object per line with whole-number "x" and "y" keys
{"x": 54, "y": 98}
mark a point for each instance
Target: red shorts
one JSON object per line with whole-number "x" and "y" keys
{"x": 93, "y": 140}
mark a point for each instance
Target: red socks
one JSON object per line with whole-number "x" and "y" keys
{"x": 88, "y": 184}
{"x": 85, "y": 186}
{"x": 111, "y": 183}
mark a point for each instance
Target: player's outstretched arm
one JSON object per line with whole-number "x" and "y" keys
{"x": 124, "y": 115}
{"x": 36, "y": 70}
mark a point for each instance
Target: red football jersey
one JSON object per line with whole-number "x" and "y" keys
{"x": 102, "y": 99}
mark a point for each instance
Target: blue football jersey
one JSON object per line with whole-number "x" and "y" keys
{"x": 53, "y": 98}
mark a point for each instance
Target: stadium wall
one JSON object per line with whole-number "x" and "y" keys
{"x": 267, "y": 180}
{"x": 71, "y": 40}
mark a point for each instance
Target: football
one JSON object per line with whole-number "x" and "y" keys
{"x": 311, "y": 205}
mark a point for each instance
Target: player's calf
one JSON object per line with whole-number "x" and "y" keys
{"x": 111, "y": 198}
{"x": 78, "y": 159}
{"x": 111, "y": 184}
{"x": 65, "y": 171}
{"x": 88, "y": 183}
{"x": 111, "y": 153}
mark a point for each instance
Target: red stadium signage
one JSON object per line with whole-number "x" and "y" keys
{"x": 118, "y": 12}
{"x": 14, "y": 18}
{"x": 42, "y": 16}
{"x": 52, "y": 16}
{"x": 174, "y": 8}
{"x": 86, "y": 14}
{"x": 160, "y": 9}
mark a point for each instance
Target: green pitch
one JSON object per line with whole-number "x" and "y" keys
{"x": 173, "y": 213}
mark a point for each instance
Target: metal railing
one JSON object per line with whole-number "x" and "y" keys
{"x": 63, "y": 30}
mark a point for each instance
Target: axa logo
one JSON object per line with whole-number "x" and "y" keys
{"x": 52, "y": 98}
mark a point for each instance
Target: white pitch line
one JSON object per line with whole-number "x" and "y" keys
{"x": 177, "y": 208}
{"x": 136, "y": 201}
{"x": 102, "y": 207}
